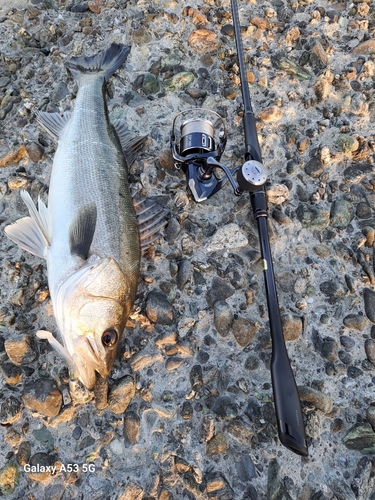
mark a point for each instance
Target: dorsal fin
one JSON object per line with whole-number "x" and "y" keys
{"x": 151, "y": 217}
{"x": 82, "y": 229}
{"x": 131, "y": 144}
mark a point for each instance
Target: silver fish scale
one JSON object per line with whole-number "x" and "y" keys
{"x": 89, "y": 166}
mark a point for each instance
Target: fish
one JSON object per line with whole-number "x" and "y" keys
{"x": 93, "y": 230}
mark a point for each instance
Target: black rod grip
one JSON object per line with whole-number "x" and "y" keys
{"x": 286, "y": 398}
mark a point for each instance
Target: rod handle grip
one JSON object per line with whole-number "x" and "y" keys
{"x": 287, "y": 402}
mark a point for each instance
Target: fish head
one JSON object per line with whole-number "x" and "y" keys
{"x": 92, "y": 309}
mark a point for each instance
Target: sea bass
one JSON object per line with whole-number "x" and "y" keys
{"x": 89, "y": 233}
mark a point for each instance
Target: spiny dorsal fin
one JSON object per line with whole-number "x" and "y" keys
{"x": 82, "y": 229}
{"x": 53, "y": 123}
{"x": 151, "y": 217}
{"x": 31, "y": 233}
{"x": 131, "y": 144}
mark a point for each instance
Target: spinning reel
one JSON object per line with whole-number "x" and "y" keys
{"x": 198, "y": 140}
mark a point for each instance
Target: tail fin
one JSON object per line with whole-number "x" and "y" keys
{"x": 107, "y": 61}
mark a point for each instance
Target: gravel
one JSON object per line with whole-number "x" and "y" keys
{"x": 188, "y": 412}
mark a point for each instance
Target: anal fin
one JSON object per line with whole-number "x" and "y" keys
{"x": 53, "y": 123}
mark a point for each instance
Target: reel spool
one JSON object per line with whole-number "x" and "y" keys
{"x": 197, "y": 137}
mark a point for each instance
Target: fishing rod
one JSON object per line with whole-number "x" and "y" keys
{"x": 197, "y": 146}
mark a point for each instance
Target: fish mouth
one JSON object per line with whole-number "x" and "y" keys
{"x": 88, "y": 360}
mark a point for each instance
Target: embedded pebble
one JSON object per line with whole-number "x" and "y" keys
{"x": 45, "y": 438}
{"x": 220, "y": 290}
{"x": 361, "y": 437}
{"x": 355, "y": 322}
{"x": 34, "y": 151}
{"x": 364, "y": 48}
{"x": 313, "y": 217}
{"x": 252, "y": 362}
{"x": 225, "y": 407}
{"x": 329, "y": 348}
{"x": 117, "y": 447}
{"x": 9, "y": 477}
{"x": 347, "y": 143}
{"x": 318, "y": 399}
{"x": 223, "y": 317}
{"x": 10, "y": 410}
{"x": 313, "y": 425}
{"x": 292, "y": 326}
{"x": 159, "y": 309}
{"x": 227, "y": 237}
{"x": 141, "y": 35}
{"x": 80, "y": 7}
{"x": 204, "y": 41}
{"x": 370, "y": 350}
{"x": 363, "y": 483}
{"x": 42, "y": 463}
{"x": 370, "y": 415}
{"x": 277, "y": 194}
{"x": 150, "y": 84}
{"x": 244, "y": 330}
{"x": 290, "y": 67}
{"x": 217, "y": 444}
{"x": 22, "y": 351}
{"x": 369, "y": 303}
{"x": 121, "y": 395}
{"x": 11, "y": 373}
{"x": 43, "y": 396}
{"x": 347, "y": 342}
{"x": 179, "y": 82}
{"x": 172, "y": 230}
{"x": 173, "y": 363}
{"x": 314, "y": 167}
{"x": 245, "y": 468}
{"x": 340, "y": 489}
{"x": 218, "y": 487}
{"x": 270, "y": 114}
{"x": 60, "y": 92}
{"x": 341, "y": 214}
{"x": 183, "y": 274}
{"x": 132, "y": 424}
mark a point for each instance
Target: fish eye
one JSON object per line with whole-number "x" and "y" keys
{"x": 109, "y": 337}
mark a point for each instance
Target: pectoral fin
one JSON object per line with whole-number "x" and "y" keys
{"x": 31, "y": 233}
{"x": 81, "y": 231}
